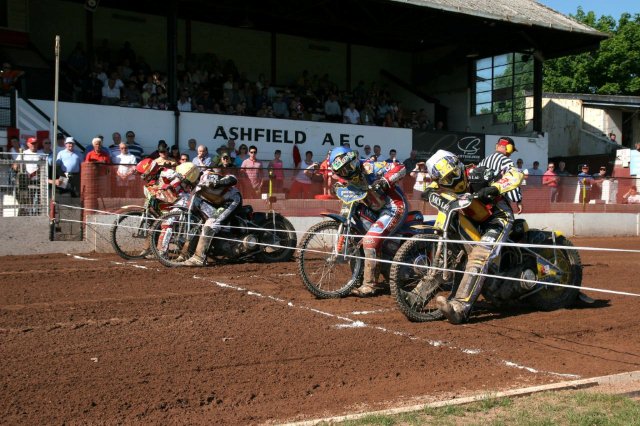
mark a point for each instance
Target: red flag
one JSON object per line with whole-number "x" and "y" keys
{"x": 296, "y": 156}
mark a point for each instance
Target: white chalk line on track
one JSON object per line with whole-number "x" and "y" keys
{"x": 351, "y": 323}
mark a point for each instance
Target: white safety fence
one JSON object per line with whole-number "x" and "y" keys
{"x": 528, "y": 246}
{"x": 23, "y": 188}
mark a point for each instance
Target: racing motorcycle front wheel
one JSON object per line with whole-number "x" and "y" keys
{"x": 174, "y": 238}
{"x": 279, "y": 240}
{"x": 412, "y": 285}
{"x": 330, "y": 263}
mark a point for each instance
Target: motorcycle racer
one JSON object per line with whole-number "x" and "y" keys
{"x": 489, "y": 183}
{"x": 220, "y": 192}
{"x": 385, "y": 200}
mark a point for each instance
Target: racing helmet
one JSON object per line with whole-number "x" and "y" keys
{"x": 344, "y": 162}
{"x": 189, "y": 172}
{"x": 148, "y": 168}
{"x": 447, "y": 169}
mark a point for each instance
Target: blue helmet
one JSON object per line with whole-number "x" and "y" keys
{"x": 344, "y": 162}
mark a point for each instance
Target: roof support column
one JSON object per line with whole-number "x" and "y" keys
{"x": 537, "y": 95}
{"x": 172, "y": 50}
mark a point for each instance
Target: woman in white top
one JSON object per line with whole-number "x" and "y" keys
{"x": 419, "y": 173}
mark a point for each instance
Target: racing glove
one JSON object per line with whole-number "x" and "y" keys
{"x": 380, "y": 185}
{"x": 487, "y": 193}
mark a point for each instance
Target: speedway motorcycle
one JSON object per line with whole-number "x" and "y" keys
{"x": 245, "y": 234}
{"x": 429, "y": 265}
{"x": 331, "y": 258}
{"x": 130, "y": 236}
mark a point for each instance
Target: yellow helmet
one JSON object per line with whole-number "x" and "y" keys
{"x": 189, "y": 172}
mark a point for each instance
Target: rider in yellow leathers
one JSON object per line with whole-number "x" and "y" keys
{"x": 489, "y": 181}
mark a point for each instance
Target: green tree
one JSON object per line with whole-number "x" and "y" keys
{"x": 612, "y": 69}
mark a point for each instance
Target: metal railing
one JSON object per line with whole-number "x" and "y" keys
{"x": 24, "y": 188}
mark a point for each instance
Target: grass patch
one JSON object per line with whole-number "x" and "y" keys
{"x": 553, "y": 408}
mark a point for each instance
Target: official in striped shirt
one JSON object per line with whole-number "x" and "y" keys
{"x": 500, "y": 162}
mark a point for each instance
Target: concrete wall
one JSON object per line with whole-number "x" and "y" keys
{"x": 30, "y": 235}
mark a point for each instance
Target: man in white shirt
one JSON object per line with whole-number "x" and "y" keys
{"x": 351, "y": 114}
{"x": 126, "y": 168}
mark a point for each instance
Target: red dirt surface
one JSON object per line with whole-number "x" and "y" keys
{"x": 106, "y": 341}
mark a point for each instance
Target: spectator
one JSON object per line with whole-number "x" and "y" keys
{"x": 302, "y": 186}
{"x": 184, "y": 102}
{"x": 162, "y": 147}
{"x": 217, "y": 160}
{"x": 32, "y": 155}
{"x": 163, "y": 158}
{"x": 134, "y": 147}
{"x": 377, "y": 152}
{"x": 114, "y": 148}
{"x": 351, "y": 114}
{"x": 184, "y": 158}
{"x": 174, "y": 154}
{"x": 551, "y": 180}
{"x": 69, "y": 162}
{"x": 203, "y": 159}
{"x": 97, "y": 155}
{"x": 192, "y": 152}
{"x": 276, "y": 172}
{"x": 393, "y": 156}
{"x": 534, "y": 174}
{"x": 253, "y": 171}
{"x": 422, "y": 178}
{"x": 598, "y": 179}
{"x": 231, "y": 147}
{"x": 242, "y": 155}
{"x": 332, "y": 110}
{"x": 280, "y": 109}
{"x": 327, "y": 175}
{"x": 612, "y": 137}
{"x": 131, "y": 95}
{"x": 410, "y": 163}
{"x": 111, "y": 93}
{"x": 9, "y": 77}
{"x": 226, "y": 162}
{"x": 631, "y": 196}
{"x": 368, "y": 115}
{"x": 585, "y": 183}
{"x": 367, "y": 153}
{"x": 126, "y": 169}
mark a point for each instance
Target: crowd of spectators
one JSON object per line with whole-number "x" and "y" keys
{"x": 208, "y": 84}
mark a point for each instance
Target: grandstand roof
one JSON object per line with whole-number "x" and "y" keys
{"x": 448, "y": 29}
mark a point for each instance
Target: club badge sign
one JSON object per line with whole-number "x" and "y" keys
{"x": 469, "y": 147}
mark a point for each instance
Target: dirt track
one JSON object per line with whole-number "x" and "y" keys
{"x": 98, "y": 340}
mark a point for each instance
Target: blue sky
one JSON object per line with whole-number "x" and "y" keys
{"x": 613, "y": 8}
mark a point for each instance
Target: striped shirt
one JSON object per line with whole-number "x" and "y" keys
{"x": 500, "y": 163}
{"x": 136, "y": 149}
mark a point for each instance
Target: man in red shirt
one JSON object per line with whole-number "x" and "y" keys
{"x": 97, "y": 155}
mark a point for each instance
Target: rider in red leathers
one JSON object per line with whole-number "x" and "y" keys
{"x": 385, "y": 200}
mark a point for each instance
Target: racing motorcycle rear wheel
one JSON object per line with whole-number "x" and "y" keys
{"x": 279, "y": 241}
{"x": 325, "y": 273}
{"x": 174, "y": 238}
{"x": 413, "y": 287}
{"x": 130, "y": 234}
{"x": 552, "y": 297}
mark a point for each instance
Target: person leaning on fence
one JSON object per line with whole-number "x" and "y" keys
{"x": 551, "y": 180}
{"x": 97, "y": 155}
{"x": 585, "y": 184}
{"x": 631, "y": 196}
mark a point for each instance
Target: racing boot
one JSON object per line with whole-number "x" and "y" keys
{"x": 200, "y": 254}
{"x": 370, "y": 286}
{"x": 457, "y": 310}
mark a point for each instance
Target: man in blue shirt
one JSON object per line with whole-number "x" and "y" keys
{"x": 69, "y": 162}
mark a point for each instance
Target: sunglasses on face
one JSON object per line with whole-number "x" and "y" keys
{"x": 252, "y": 152}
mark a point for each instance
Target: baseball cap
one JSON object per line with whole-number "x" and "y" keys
{"x": 584, "y": 166}
{"x": 31, "y": 140}
{"x": 69, "y": 140}
{"x": 505, "y": 140}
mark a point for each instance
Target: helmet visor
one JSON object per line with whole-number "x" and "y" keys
{"x": 451, "y": 177}
{"x": 347, "y": 170}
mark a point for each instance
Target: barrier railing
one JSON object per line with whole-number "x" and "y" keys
{"x": 23, "y": 188}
